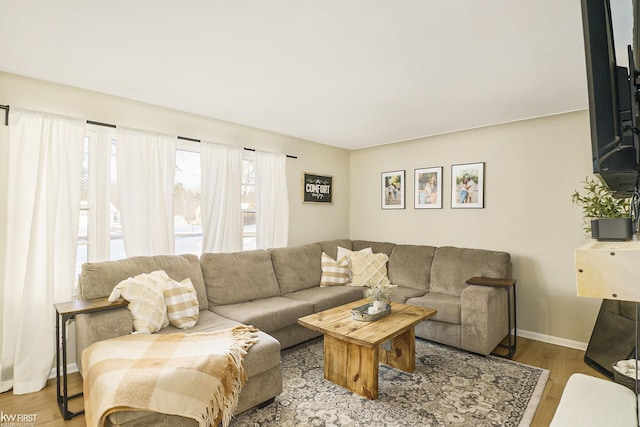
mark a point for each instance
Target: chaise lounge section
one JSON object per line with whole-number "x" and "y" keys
{"x": 271, "y": 289}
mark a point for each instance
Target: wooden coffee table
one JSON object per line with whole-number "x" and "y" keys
{"x": 353, "y": 349}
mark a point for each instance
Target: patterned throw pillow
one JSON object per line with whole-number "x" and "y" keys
{"x": 368, "y": 269}
{"x": 146, "y": 300}
{"x": 182, "y": 303}
{"x": 344, "y": 252}
{"x": 334, "y": 273}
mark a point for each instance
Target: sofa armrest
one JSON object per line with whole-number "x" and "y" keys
{"x": 484, "y": 318}
{"x": 94, "y": 327}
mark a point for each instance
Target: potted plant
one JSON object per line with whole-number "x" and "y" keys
{"x": 605, "y": 216}
{"x": 380, "y": 293}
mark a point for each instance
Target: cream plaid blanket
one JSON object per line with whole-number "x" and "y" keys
{"x": 197, "y": 375}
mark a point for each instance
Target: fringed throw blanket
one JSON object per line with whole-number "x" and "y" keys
{"x": 196, "y": 376}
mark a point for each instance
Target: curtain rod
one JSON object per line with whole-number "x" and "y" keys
{"x": 109, "y": 125}
{"x": 247, "y": 149}
{"x": 184, "y": 138}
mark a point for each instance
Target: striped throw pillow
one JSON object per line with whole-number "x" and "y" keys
{"x": 182, "y": 303}
{"x": 334, "y": 273}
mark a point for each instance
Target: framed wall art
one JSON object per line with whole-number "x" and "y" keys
{"x": 317, "y": 188}
{"x": 393, "y": 189}
{"x": 467, "y": 185}
{"x": 427, "y": 188}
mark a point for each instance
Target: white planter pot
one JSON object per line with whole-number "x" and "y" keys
{"x": 379, "y": 305}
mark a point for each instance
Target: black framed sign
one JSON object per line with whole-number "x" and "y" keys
{"x": 317, "y": 188}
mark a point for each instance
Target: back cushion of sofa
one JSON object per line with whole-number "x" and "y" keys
{"x": 330, "y": 247}
{"x": 97, "y": 279}
{"x": 410, "y": 266}
{"x": 452, "y": 267}
{"x": 238, "y": 277}
{"x": 297, "y": 267}
{"x": 376, "y": 247}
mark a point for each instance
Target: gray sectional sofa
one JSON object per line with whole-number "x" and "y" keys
{"x": 271, "y": 289}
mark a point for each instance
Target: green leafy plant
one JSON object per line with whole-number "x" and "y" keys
{"x": 597, "y": 201}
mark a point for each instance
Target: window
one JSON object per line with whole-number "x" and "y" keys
{"x": 115, "y": 238}
{"x": 248, "y": 203}
{"x": 187, "y": 190}
{"x": 100, "y": 229}
{"x": 82, "y": 255}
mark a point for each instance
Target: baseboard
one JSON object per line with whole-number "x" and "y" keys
{"x": 71, "y": 368}
{"x": 553, "y": 340}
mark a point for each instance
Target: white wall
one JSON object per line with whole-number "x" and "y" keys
{"x": 308, "y": 222}
{"x": 531, "y": 168}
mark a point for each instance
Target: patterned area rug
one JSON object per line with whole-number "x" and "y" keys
{"x": 449, "y": 388}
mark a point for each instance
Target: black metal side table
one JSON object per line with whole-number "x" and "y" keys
{"x": 508, "y": 285}
{"x": 66, "y": 311}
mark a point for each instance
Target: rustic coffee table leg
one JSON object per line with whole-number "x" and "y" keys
{"x": 351, "y": 366}
{"x": 403, "y": 351}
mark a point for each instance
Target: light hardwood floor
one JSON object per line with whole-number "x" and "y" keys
{"x": 560, "y": 361}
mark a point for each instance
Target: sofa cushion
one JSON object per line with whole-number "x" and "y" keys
{"x": 334, "y": 273}
{"x": 410, "y": 266}
{"x": 377, "y": 247}
{"x": 237, "y": 277}
{"x": 146, "y": 300}
{"x": 208, "y": 322}
{"x": 369, "y": 269}
{"x": 452, "y": 267}
{"x": 447, "y": 306}
{"x": 330, "y": 247}
{"x": 97, "y": 279}
{"x": 257, "y": 360}
{"x": 402, "y": 294}
{"x": 182, "y": 303}
{"x": 266, "y": 314}
{"x": 326, "y": 298}
{"x": 297, "y": 267}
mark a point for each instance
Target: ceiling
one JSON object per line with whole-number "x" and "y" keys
{"x": 348, "y": 73}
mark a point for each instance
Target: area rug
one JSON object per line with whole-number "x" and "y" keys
{"x": 450, "y": 387}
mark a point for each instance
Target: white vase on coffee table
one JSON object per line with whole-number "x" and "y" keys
{"x": 379, "y": 305}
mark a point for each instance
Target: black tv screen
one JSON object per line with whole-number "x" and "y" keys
{"x": 612, "y": 102}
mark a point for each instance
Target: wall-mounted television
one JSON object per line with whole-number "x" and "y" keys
{"x": 609, "y": 36}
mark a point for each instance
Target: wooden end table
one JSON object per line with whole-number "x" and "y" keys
{"x": 354, "y": 349}
{"x": 66, "y": 311}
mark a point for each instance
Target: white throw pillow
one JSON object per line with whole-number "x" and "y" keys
{"x": 145, "y": 293}
{"x": 334, "y": 273}
{"x": 369, "y": 268}
{"x": 182, "y": 303}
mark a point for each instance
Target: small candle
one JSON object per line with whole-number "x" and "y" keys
{"x": 372, "y": 310}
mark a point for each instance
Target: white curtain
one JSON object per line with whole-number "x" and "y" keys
{"x": 272, "y": 202}
{"x": 145, "y": 163}
{"x": 221, "y": 167}
{"x": 43, "y": 193}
